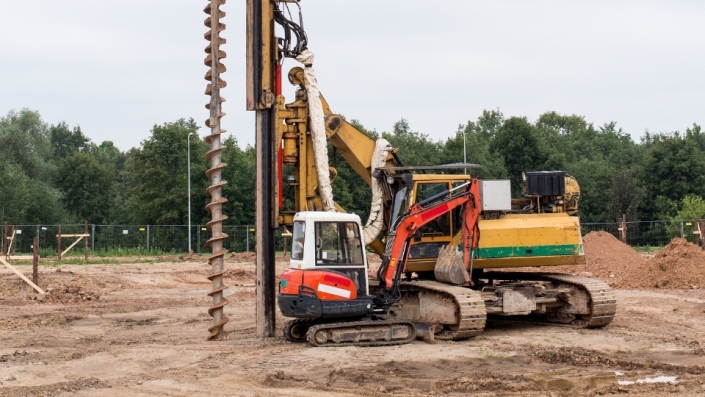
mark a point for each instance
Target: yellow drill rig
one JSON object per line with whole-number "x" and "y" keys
{"x": 539, "y": 229}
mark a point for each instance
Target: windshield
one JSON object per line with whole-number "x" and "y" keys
{"x": 338, "y": 243}
{"x": 297, "y": 240}
{"x": 400, "y": 204}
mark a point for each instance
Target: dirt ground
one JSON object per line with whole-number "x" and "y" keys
{"x": 140, "y": 330}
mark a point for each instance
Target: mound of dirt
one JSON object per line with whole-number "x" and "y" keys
{"x": 247, "y": 256}
{"x": 78, "y": 288}
{"x": 239, "y": 274}
{"x": 608, "y": 258}
{"x": 679, "y": 265}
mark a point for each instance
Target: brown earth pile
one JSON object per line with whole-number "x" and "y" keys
{"x": 240, "y": 274}
{"x": 60, "y": 287}
{"x": 679, "y": 265}
{"x": 78, "y": 288}
{"x": 608, "y": 258}
{"x": 247, "y": 256}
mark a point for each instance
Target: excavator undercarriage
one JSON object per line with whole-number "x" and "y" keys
{"x": 433, "y": 310}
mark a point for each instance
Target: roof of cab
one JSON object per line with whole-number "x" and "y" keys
{"x": 326, "y": 216}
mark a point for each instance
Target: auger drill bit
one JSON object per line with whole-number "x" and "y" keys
{"x": 215, "y": 207}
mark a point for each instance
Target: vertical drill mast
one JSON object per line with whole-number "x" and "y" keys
{"x": 215, "y": 207}
{"x": 261, "y": 62}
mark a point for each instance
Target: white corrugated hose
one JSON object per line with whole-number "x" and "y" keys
{"x": 318, "y": 131}
{"x": 376, "y": 220}
{"x": 320, "y": 153}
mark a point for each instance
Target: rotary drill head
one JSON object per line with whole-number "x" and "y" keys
{"x": 215, "y": 207}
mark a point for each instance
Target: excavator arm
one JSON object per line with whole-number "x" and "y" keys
{"x": 420, "y": 214}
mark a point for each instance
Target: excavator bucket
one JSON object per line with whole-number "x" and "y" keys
{"x": 450, "y": 268}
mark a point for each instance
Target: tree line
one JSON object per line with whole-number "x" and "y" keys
{"x": 54, "y": 173}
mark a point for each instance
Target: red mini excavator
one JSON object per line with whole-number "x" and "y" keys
{"x": 326, "y": 288}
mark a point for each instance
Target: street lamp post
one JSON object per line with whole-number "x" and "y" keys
{"x": 188, "y": 162}
{"x": 465, "y": 157}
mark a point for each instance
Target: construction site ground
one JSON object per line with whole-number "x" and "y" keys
{"x": 140, "y": 330}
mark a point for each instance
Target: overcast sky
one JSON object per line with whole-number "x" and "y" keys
{"x": 118, "y": 67}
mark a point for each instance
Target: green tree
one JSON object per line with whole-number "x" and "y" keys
{"x": 24, "y": 141}
{"x": 691, "y": 207}
{"x": 110, "y": 157}
{"x": 415, "y": 148}
{"x": 45, "y": 206}
{"x": 519, "y": 144}
{"x": 595, "y": 180}
{"x": 14, "y": 193}
{"x": 65, "y": 141}
{"x": 158, "y": 180}
{"x": 241, "y": 177}
{"x": 625, "y": 196}
{"x": 26, "y": 170}
{"x": 477, "y": 150}
{"x": 87, "y": 187}
{"x": 673, "y": 167}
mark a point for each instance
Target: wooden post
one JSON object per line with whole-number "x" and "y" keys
{"x": 286, "y": 234}
{"x": 4, "y": 239}
{"x": 20, "y": 275}
{"x": 85, "y": 241}
{"x": 13, "y": 243}
{"x": 701, "y": 227}
{"x": 623, "y": 228}
{"x": 35, "y": 260}
{"x": 11, "y": 248}
{"x": 58, "y": 242}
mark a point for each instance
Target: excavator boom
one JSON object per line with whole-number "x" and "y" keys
{"x": 420, "y": 214}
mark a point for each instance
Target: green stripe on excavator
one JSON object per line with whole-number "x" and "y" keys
{"x": 528, "y": 251}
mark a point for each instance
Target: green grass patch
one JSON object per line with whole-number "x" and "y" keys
{"x": 647, "y": 249}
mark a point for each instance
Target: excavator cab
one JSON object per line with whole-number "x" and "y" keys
{"x": 327, "y": 275}
{"x": 412, "y": 185}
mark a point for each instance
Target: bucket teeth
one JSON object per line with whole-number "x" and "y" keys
{"x": 215, "y": 206}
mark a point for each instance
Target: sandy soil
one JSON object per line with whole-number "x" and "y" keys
{"x": 140, "y": 330}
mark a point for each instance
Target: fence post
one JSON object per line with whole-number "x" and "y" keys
{"x": 14, "y": 240}
{"x": 681, "y": 228}
{"x": 35, "y": 260}
{"x": 148, "y": 240}
{"x": 4, "y": 239}
{"x": 247, "y": 237}
{"x": 58, "y": 243}
{"x": 37, "y": 235}
{"x": 85, "y": 241}
{"x": 623, "y": 228}
{"x": 701, "y": 226}
{"x": 93, "y": 237}
{"x": 198, "y": 246}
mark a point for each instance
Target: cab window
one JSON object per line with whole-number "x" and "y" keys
{"x": 297, "y": 240}
{"x": 440, "y": 226}
{"x": 338, "y": 243}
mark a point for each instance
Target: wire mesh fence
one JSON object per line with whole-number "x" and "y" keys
{"x": 649, "y": 233}
{"x": 116, "y": 240}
